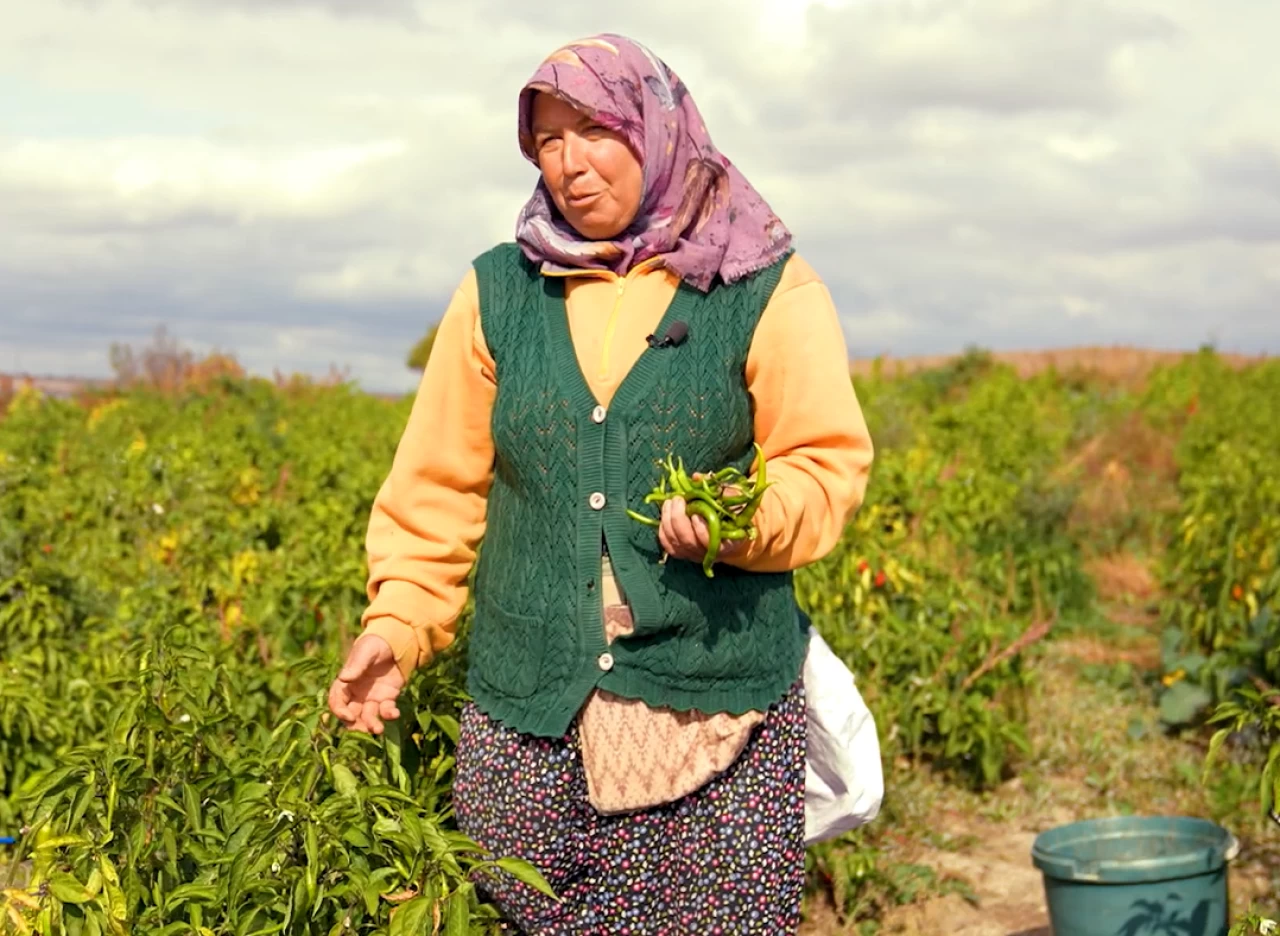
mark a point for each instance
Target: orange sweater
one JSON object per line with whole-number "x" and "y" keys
{"x": 429, "y": 515}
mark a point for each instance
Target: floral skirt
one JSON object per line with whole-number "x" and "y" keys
{"x": 725, "y": 859}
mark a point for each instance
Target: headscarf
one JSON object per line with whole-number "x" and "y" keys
{"x": 697, "y": 211}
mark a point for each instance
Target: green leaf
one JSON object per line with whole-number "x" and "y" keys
{"x": 116, "y": 903}
{"x": 311, "y": 844}
{"x": 385, "y": 826}
{"x": 1190, "y": 663}
{"x": 81, "y": 804}
{"x": 1269, "y": 787}
{"x": 44, "y": 783}
{"x": 353, "y": 835}
{"x": 191, "y": 800}
{"x": 68, "y": 889}
{"x": 206, "y": 893}
{"x": 251, "y": 793}
{"x": 173, "y": 929}
{"x": 412, "y": 918}
{"x": 170, "y": 850}
{"x": 344, "y": 781}
{"x": 62, "y": 841}
{"x": 371, "y": 892}
{"x": 526, "y": 873}
{"x": 449, "y": 725}
{"x": 394, "y": 755}
{"x": 1182, "y": 702}
{"x": 457, "y": 915}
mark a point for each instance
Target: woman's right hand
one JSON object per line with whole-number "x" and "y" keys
{"x": 686, "y": 537}
{"x": 364, "y": 693}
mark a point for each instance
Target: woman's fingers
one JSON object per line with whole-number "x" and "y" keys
{"x": 683, "y": 535}
{"x": 387, "y": 710}
{"x": 686, "y": 537}
{"x": 340, "y": 702}
{"x": 700, "y": 534}
{"x": 730, "y": 548}
{"x": 364, "y": 693}
{"x": 369, "y": 717}
{"x": 672, "y": 532}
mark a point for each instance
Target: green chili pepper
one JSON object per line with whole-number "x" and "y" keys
{"x": 702, "y": 492}
{"x": 712, "y": 519}
{"x": 727, "y": 475}
{"x": 761, "y": 480}
{"x": 728, "y": 516}
{"x": 743, "y": 517}
{"x": 682, "y": 483}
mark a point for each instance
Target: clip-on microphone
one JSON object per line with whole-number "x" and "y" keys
{"x": 677, "y": 332}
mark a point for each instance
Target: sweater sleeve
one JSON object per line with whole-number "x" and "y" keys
{"x": 429, "y": 515}
{"x": 809, "y": 423}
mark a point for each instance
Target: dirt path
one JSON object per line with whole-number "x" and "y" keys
{"x": 1009, "y": 889}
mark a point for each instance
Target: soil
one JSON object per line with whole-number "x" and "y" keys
{"x": 1010, "y": 895}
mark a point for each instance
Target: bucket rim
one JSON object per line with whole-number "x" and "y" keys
{"x": 1209, "y": 848}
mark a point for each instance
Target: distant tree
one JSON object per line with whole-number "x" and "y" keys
{"x": 166, "y": 365}
{"x": 417, "y": 359}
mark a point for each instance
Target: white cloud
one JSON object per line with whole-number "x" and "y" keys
{"x": 304, "y": 181}
{"x": 150, "y": 181}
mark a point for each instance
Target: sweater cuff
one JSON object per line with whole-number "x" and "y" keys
{"x": 402, "y": 639}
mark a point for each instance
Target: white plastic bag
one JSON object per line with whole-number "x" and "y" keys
{"x": 844, "y": 780}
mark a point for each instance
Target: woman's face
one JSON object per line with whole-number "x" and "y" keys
{"x": 594, "y": 178}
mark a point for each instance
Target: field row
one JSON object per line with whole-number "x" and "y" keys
{"x": 180, "y": 573}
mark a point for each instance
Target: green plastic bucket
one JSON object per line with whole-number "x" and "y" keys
{"x": 1136, "y": 875}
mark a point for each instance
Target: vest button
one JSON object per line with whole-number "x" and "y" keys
{"x": 597, "y": 414}
{"x": 606, "y": 661}
{"x": 596, "y": 501}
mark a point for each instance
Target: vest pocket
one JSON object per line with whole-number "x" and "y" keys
{"x": 505, "y": 651}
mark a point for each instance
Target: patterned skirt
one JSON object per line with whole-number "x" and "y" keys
{"x": 725, "y": 859}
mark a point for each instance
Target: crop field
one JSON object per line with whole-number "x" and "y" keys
{"x": 1061, "y": 600}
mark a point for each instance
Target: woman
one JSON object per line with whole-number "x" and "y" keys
{"x": 638, "y": 728}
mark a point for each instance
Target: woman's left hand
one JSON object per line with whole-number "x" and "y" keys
{"x": 686, "y": 537}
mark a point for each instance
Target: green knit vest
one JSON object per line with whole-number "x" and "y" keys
{"x": 565, "y": 472}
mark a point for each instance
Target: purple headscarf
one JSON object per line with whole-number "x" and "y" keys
{"x": 697, "y": 210}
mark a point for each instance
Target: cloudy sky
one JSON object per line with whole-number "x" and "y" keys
{"x": 303, "y": 182}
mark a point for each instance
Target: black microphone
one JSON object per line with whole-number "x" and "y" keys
{"x": 677, "y": 332}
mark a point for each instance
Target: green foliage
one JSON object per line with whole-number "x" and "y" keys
{"x": 181, "y": 573}
{"x": 1254, "y": 923}
{"x": 1222, "y": 568}
{"x": 179, "y": 577}
{"x": 193, "y": 812}
{"x": 421, "y": 352}
{"x": 214, "y": 510}
{"x": 1228, "y": 543}
{"x": 919, "y": 651}
{"x": 972, "y": 477}
{"x": 958, "y": 561}
{"x": 862, "y": 885}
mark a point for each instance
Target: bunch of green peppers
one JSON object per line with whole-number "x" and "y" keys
{"x": 726, "y": 500}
